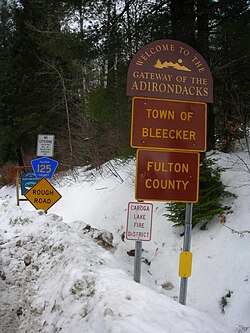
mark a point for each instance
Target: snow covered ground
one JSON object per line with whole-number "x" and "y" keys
{"x": 69, "y": 270}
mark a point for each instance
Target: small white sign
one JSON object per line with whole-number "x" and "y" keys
{"x": 45, "y": 145}
{"x": 139, "y": 221}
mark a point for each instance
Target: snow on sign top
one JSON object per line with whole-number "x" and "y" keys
{"x": 170, "y": 69}
{"x": 45, "y": 145}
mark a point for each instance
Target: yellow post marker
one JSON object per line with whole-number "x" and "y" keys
{"x": 185, "y": 266}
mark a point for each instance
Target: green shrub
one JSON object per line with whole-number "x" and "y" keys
{"x": 211, "y": 194}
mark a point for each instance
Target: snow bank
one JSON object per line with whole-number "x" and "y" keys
{"x": 58, "y": 279}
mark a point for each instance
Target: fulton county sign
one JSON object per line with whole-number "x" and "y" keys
{"x": 170, "y": 69}
{"x": 168, "y": 124}
{"x": 167, "y": 176}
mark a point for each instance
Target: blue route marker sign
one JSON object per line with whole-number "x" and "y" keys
{"x": 44, "y": 167}
{"x": 28, "y": 180}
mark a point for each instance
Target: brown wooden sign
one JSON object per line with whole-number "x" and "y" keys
{"x": 170, "y": 69}
{"x": 168, "y": 124}
{"x": 167, "y": 176}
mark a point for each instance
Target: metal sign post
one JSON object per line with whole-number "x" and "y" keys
{"x": 139, "y": 228}
{"x": 186, "y": 248}
{"x": 137, "y": 262}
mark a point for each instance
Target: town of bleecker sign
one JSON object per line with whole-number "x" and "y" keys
{"x": 168, "y": 124}
{"x": 167, "y": 176}
{"x": 170, "y": 69}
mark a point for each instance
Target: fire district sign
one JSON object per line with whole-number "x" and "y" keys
{"x": 43, "y": 195}
{"x": 168, "y": 124}
{"x": 167, "y": 176}
{"x": 139, "y": 221}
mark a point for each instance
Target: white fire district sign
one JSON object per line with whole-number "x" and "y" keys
{"x": 139, "y": 221}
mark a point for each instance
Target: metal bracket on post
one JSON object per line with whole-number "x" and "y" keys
{"x": 186, "y": 248}
{"x": 137, "y": 262}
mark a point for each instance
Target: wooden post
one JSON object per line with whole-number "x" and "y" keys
{"x": 17, "y": 185}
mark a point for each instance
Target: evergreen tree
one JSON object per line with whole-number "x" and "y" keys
{"x": 231, "y": 54}
{"x": 7, "y": 151}
{"x": 27, "y": 98}
{"x": 211, "y": 194}
{"x": 64, "y": 67}
{"x": 183, "y": 21}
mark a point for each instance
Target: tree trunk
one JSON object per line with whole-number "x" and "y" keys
{"x": 183, "y": 29}
{"x": 203, "y": 48}
{"x": 183, "y": 21}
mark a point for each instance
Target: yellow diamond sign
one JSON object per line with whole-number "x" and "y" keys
{"x": 43, "y": 195}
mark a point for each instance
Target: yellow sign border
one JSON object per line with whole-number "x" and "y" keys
{"x": 32, "y": 188}
{"x": 164, "y": 200}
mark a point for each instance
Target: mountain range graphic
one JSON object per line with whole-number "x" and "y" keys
{"x": 170, "y": 64}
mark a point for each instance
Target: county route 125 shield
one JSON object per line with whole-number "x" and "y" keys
{"x": 44, "y": 167}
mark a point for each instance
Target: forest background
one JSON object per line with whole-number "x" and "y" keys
{"x": 64, "y": 65}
